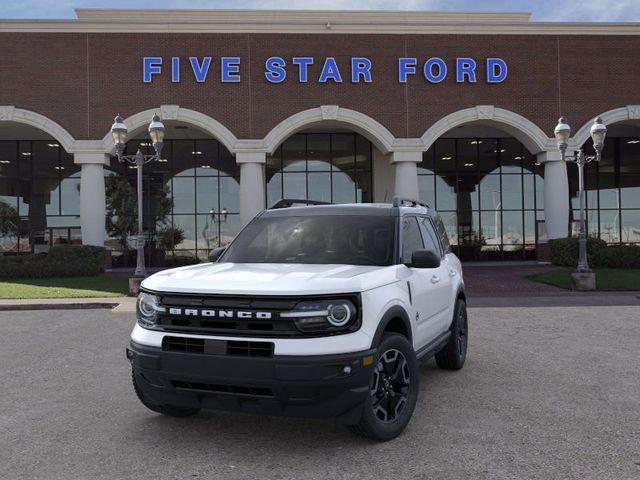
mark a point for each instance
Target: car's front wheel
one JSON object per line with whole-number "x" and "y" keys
{"x": 393, "y": 390}
{"x": 169, "y": 410}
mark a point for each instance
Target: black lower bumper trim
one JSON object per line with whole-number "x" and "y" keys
{"x": 323, "y": 386}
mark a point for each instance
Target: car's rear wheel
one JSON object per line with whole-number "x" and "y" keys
{"x": 169, "y": 410}
{"x": 393, "y": 390}
{"x": 454, "y": 353}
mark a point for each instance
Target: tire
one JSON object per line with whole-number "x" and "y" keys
{"x": 169, "y": 410}
{"x": 393, "y": 390}
{"x": 454, "y": 353}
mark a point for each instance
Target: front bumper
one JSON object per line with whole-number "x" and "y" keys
{"x": 324, "y": 386}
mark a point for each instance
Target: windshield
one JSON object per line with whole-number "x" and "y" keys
{"x": 320, "y": 239}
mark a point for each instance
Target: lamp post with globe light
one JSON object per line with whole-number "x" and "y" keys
{"x": 119, "y": 133}
{"x": 562, "y": 133}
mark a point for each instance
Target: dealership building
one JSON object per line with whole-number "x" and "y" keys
{"x": 455, "y": 109}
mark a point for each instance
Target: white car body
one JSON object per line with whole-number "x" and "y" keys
{"x": 311, "y": 311}
{"x": 430, "y": 309}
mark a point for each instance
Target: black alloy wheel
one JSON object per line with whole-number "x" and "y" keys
{"x": 393, "y": 390}
{"x": 390, "y": 386}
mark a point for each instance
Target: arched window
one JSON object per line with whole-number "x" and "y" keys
{"x": 489, "y": 193}
{"x": 194, "y": 190}
{"x": 39, "y": 196}
{"x": 329, "y": 167}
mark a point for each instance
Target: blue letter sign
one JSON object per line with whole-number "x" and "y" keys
{"x": 434, "y": 69}
{"x": 200, "y": 71}
{"x": 330, "y": 71}
{"x": 151, "y": 66}
{"x": 275, "y": 69}
{"x": 496, "y": 70}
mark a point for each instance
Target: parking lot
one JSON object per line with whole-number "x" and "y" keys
{"x": 550, "y": 392}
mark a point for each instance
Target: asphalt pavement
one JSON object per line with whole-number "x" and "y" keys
{"x": 547, "y": 392}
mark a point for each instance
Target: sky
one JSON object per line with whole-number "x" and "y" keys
{"x": 542, "y": 10}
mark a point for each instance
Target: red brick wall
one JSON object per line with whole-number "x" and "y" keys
{"x": 82, "y": 80}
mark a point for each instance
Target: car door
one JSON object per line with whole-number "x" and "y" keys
{"x": 442, "y": 277}
{"x": 423, "y": 284}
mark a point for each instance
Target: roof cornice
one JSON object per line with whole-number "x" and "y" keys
{"x": 315, "y": 22}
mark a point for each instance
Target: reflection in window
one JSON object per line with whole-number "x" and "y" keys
{"x": 489, "y": 192}
{"x": 612, "y": 188}
{"x": 200, "y": 179}
{"x": 39, "y": 196}
{"x": 328, "y": 167}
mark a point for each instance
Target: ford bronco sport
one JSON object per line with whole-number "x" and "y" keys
{"x": 314, "y": 310}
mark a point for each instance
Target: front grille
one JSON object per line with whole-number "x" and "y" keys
{"x": 250, "y": 349}
{"x": 237, "y": 316}
{"x": 228, "y": 389}
{"x": 217, "y": 347}
{"x": 183, "y": 344}
{"x": 272, "y": 327}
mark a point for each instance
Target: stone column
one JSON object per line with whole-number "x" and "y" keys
{"x": 252, "y": 187}
{"x": 556, "y": 194}
{"x": 406, "y": 170}
{"x": 92, "y": 197}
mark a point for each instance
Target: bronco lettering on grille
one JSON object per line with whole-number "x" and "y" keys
{"x": 208, "y": 313}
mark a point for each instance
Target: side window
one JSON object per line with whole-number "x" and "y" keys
{"x": 411, "y": 238}
{"x": 429, "y": 235}
{"x": 442, "y": 234}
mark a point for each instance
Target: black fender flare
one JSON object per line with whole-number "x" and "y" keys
{"x": 460, "y": 294}
{"x": 394, "y": 312}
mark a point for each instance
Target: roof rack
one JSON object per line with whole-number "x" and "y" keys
{"x": 401, "y": 201}
{"x": 292, "y": 202}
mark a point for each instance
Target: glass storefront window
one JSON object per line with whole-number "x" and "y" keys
{"x": 490, "y": 193}
{"x": 328, "y": 167}
{"x": 612, "y": 189}
{"x": 39, "y": 195}
{"x": 200, "y": 180}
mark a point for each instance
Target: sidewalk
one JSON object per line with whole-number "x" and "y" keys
{"x": 115, "y": 303}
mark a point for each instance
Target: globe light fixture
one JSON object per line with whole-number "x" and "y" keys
{"x": 583, "y": 278}
{"x": 119, "y": 134}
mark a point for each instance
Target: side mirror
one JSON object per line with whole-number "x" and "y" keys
{"x": 425, "y": 259}
{"x": 216, "y": 253}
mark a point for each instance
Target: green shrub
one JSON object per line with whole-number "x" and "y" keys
{"x": 61, "y": 261}
{"x": 564, "y": 251}
{"x": 618, "y": 256}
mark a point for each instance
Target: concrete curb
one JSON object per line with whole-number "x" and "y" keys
{"x": 56, "y": 306}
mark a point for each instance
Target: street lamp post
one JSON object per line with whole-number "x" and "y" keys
{"x": 119, "y": 133}
{"x": 562, "y": 133}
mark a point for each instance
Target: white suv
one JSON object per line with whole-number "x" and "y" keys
{"x": 315, "y": 310}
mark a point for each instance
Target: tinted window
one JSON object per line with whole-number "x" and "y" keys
{"x": 442, "y": 234}
{"x": 318, "y": 239}
{"x": 429, "y": 235}
{"x": 411, "y": 238}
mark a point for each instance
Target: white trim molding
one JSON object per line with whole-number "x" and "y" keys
{"x": 10, "y": 113}
{"x": 196, "y": 21}
{"x": 523, "y": 129}
{"x": 629, "y": 112}
{"x": 373, "y": 130}
{"x": 179, "y": 114}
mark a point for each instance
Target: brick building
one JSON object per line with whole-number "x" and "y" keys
{"x": 457, "y": 109}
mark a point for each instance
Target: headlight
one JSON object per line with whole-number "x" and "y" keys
{"x": 323, "y": 316}
{"x": 147, "y": 309}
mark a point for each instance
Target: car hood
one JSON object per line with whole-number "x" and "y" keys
{"x": 270, "y": 278}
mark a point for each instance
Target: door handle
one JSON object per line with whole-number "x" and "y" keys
{"x": 435, "y": 279}
{"x": 452, "y": 273}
